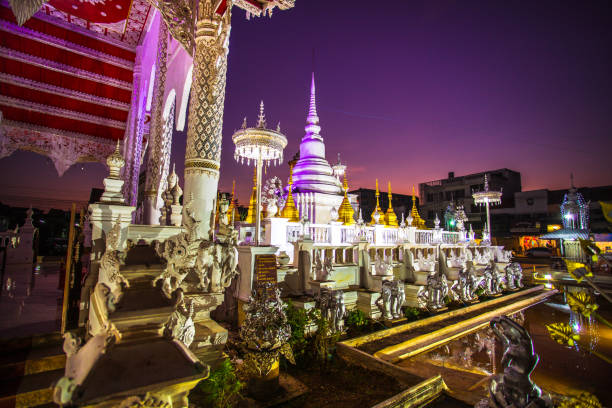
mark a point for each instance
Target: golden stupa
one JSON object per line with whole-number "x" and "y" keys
{"x": 381, "y": 218}
{"x": 417, "y": 221}
{"x": 290, "y": 211}
{"x": 250, "y": 219}
{"x": 346, "y": 212}
{"x": 390, "y": 217}
{"x": 232, "y": 205}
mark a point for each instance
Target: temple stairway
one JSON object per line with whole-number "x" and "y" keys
{"x": 28, "y": 369}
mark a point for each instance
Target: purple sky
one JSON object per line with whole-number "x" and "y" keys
{"x": 412, "y": 90}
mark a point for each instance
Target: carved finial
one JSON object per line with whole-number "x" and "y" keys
{"x": 172, "y": 177}
{"x": 278, "y": 129}
{"x": 486, "y": 183}
{"x": 244, "y": 123}
{"x": 437, "y": 221}
{"x": 261, "y": 122}
{"x": 115, "y": 162}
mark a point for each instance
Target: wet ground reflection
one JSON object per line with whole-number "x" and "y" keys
{"x": 562, "y": 370}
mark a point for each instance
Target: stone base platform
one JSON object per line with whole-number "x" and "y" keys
{"x": 366, "y": 302}
{"x": 412, "y": 292}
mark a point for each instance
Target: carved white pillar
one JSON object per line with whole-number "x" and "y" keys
{"x": 312, "y": 209}
{"x": 158, "y": 147}
{"x": 131, "y": 135}
{"x": 203, "y": 152}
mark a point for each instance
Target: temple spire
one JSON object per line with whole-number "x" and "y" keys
{"x": 313, "y": 118}
{"x": 312, "y": 127}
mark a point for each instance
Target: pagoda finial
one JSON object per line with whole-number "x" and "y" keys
{"x": 115, "y": 162}
{"x": 312, "y": 120}
{"x": 312, "y": 110}
{"x": 261, "y": 122}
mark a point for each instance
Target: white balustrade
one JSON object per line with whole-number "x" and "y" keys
{"x": 320, "y": 234}
{"x": 294, "y": 231}
{"x": 347, "y": 234}
{"x": 450, "y": 237}
{"x": 424, "y": 236}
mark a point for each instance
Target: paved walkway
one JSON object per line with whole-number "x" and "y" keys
{"x": 29, "y": 301}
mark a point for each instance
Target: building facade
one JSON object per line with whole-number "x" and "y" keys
{"x": 437, "y": 195}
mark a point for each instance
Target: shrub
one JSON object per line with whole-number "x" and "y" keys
{"x": 298, "y": 319}
{"x": 324, "y": 342}
{"x": 412, "y": 313}
{"x": 222, "y": 388}
{"x": 357, "y": 320}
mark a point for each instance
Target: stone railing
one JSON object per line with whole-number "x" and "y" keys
{"x": 423, "y": 237}
{"x": 294, "y": 232}
{"x": 280, "y": 232}
{"x": 450, "y": 237}
{"x": 347, "y": 234}
{"x": 320, "y": 234}
{"x": 340, "y": 255}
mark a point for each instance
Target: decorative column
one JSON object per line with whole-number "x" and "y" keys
{"x": 131, "y": 132}
{"x": 203, "y": 152}
{"x": 158, "y": 162}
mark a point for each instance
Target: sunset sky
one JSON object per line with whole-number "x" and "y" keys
{"x": 408, "y": 91}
